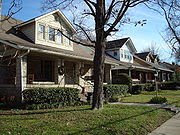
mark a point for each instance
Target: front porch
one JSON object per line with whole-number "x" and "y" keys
{"x": 137, "y": 75}
{"x": 40, "y": 70}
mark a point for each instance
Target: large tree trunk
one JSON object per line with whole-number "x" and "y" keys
{"x": 98, "y": 75}
{"x": 99, "y": 57}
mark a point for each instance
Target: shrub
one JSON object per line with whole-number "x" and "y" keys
{"x": 136, "y": 89}
{"x": 122, "y": 79}
{"x": 111, "y": 90}
{"x": 114, "y": 98}
{"x": 51, "y": 97}
{"x": 171, "y": 85}
{"x": 158, "y": 100}
{"x": 149, "y": 87}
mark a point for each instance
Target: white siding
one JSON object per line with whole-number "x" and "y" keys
{"x": 113, "y": 53}
{"x": 50, "y": 21}
{"x": 118, "y": 52}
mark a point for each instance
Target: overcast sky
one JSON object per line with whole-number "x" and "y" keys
{"x": 142, "y": 36}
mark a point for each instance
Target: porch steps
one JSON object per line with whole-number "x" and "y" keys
{"x": 83, "y": 97}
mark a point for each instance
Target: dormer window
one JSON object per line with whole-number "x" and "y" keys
{"x": 51, "y": 34}
{"x": 41, "y": 31}
{"x": 115, "y": 53}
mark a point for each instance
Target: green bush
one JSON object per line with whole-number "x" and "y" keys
{"x": 111, "y": 90}
{"x": 158, "y": 100}
{"x": 49, "y": 97}
{"x": 122, "y": 78}
{"x": 171, "y": 85}
{"x": 114, "y": 98}
{"x": 149, "y": 87}
{"x": 136, "y": 89}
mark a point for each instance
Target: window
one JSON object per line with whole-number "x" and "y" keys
{"x": 115, "y": 53}
{"x": 122, "y": 53}
{"x": 41, "y": 31}
{"x": 70, "y": 42}
{"x": 59, "y": 40}
{"x": 130, "y": 57}
{"x": 51, "y": 34}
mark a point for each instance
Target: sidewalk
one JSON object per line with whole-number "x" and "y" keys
{"x": 170, "y": 127}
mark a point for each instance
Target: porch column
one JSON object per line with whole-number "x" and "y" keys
{"x": 21, "y": 76}
{"x": 168, "y": 77}
{"x": 108, "y": 73}
{"x": 110, "y": 76}
{"x": 129, "y": 72}
{"x": 77, "y": 71}
{"x": 146, "y": 75}
{"x": 59, "y": 79}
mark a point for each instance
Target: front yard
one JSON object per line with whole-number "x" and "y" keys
{"x": 113, "y": 119}
{"x": 173, "y": 97}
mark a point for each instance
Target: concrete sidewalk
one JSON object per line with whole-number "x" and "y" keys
{"x": 170, "y": 127}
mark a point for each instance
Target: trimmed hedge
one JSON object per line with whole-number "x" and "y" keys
{"x": 149, "y": 87}
{"x": 136, "y": 89}
{"x": 51, "y": 96}
{"x": 122, "y": 78}
{"x": 112, "y": 90}
{"x": 171, "y": 85}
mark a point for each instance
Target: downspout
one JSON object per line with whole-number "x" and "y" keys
{"x": 21, "y": 69}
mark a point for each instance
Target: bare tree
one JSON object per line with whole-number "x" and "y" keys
{"x": 106, "y": 16}
{"x": 15, "y": 7}
{"x": 170, "y": 10}
{"x": 153, "y": 49}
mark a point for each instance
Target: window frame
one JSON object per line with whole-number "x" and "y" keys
{"x": 54, "y": 32}
{"x": 41, "y": 34}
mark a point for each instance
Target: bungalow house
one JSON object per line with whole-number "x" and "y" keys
{"x": 164, "y": 73}
{"x": 139, "y": 66}
{"x": 34, "y": 54}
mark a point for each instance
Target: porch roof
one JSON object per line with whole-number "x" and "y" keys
{"x": 138, "y": 63}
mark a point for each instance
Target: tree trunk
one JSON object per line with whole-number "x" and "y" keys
{"x": 98, "y": 75}
{"x": 99, "y": 57}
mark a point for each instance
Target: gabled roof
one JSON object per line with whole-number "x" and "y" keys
{"x": 45, "y": 15}
{"x": 143, "y": 55}
{"x": 114, "y": 44}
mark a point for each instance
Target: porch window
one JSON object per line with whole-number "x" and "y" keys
{"x": 71, "y": 76}
{"x": 41, "y": 31}
{"x": 41, "y": 70}
{"x": 51, "y": 34}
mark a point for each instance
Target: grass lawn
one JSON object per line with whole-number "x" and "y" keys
{"x": 173, "y": 97}
{"x": 113, "y": 119}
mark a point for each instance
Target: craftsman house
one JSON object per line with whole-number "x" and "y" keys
{"x": 141, "y": 67}
{"x": 35, "y": 54}
{"x": 164, "y": 73}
